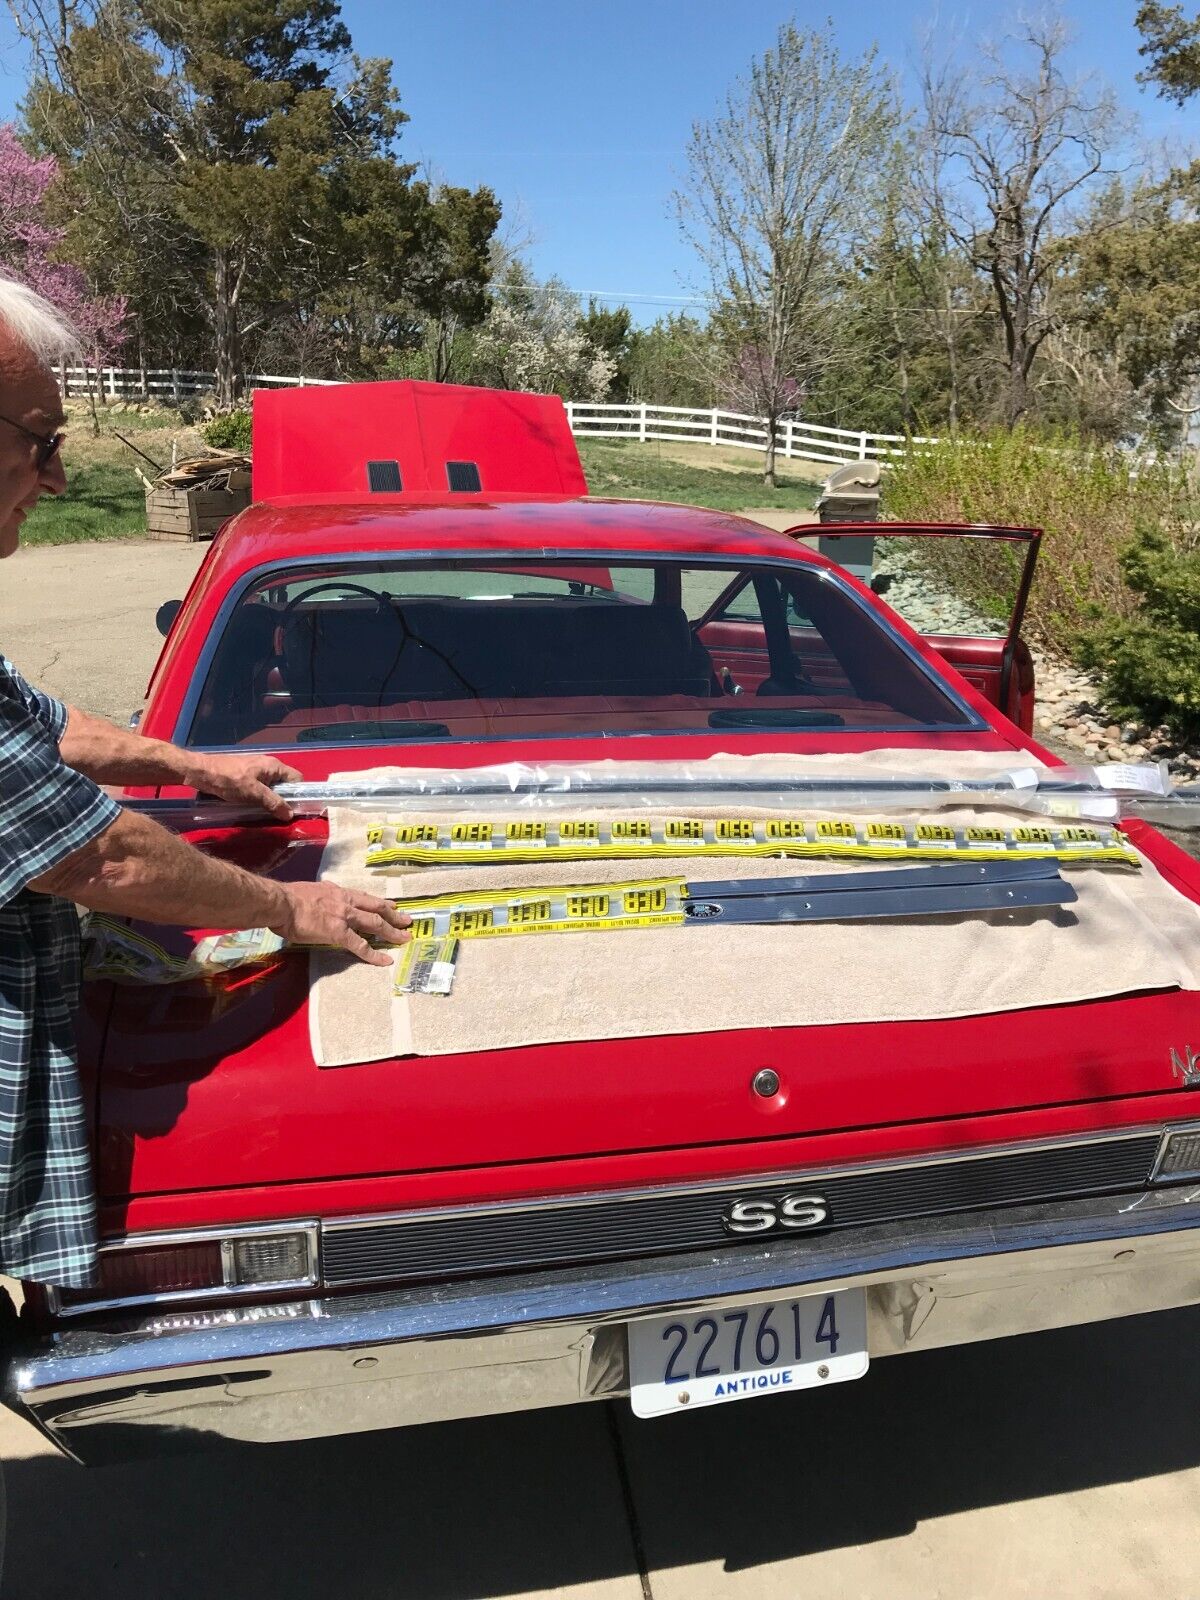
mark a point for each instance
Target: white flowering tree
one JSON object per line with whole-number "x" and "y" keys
{"x": 531, "y": 339}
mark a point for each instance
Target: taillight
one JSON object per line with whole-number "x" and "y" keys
{"x": 157, "y": 1270}
{"x": 181, "y": 1266}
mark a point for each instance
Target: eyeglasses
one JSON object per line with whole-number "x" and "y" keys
{"x": 48, "y": 444}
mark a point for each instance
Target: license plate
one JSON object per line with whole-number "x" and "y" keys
{"x": 704, "y": 1358}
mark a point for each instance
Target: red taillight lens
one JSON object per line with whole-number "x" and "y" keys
{"x": 158, "y": 1269}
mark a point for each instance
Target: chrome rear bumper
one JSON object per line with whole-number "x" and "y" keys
{"x": 426, "y": 1354}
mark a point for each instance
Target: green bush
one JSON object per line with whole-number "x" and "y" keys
{"x": 230, "y": 432}
{"x": 1149, "y": 664}
{"x": 1088, "y": 498}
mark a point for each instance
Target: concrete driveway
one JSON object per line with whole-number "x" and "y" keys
{"x": 1061, "y": 1464}
{"x": 78, "y": 619}
{"x": 1065, "y": 1463}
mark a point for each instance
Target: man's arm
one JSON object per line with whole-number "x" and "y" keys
{"x": 137, "y": 869}
{"x": 108, "y": 754}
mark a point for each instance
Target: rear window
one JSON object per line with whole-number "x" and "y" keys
{"x": 388, "y": 651}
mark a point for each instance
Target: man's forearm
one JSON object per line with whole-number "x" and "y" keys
{"x": 137, "y": 869}
{"x": 108, "y": 754}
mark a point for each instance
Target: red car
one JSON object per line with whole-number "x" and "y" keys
{"x": 722, "y": 1166}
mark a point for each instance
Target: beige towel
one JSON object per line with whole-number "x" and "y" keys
{"x": 1126, "y": 932}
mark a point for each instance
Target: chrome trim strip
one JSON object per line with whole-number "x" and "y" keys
{"x": 786, "y": 1178}
{"x": 972, "y": 721}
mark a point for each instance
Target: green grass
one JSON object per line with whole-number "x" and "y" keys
{"x": 101, "y": 502}
{"x": 104, "y": 499}
{"x": 642, "y": 472}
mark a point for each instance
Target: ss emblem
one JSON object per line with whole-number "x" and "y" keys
{"x": 793, "y": 1211}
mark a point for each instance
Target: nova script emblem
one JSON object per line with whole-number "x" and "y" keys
{"x": 791, "y": 1213}
{"x": 1186, "y": 1067}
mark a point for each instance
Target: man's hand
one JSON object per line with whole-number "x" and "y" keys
{"x": 248, "y": 779}
{"x": 114, "y": 755}
{"x": 321, "y": 913}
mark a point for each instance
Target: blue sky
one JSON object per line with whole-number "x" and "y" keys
{"x": 578, "y": 114}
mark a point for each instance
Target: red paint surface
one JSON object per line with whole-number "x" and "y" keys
{"x": 212, "y": 1109}
{"x": 318, "y": 441}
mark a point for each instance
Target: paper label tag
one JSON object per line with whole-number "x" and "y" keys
{"x": 1124, "y": 775}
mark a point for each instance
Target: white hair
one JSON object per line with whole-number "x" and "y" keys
{"x": 34, "y": 323}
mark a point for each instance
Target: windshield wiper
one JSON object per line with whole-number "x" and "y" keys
{"x": 369, "y": 732}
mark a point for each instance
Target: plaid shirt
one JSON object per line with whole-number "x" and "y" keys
{"x": 47, "y": 812}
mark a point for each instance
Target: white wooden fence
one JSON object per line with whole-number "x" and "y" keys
{"x": 164, "y": 383}
{"x": 794, "y": 439}
{"x": 808, "y": 441}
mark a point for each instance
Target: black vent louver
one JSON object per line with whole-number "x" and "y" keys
{"x": 383, "y": 477}
{"x": 463, "y": 477}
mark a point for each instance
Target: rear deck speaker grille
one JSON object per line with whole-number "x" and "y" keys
{"x": 463, "y": 477}
{"x": 383, "y": 477}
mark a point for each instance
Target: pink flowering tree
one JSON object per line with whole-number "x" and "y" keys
{"x": 29, "y": 246}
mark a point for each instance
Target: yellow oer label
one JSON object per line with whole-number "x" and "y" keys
{"x": 836, "y": 830}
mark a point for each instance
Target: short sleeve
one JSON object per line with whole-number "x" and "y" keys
{"x": 47, "y": 809}
{"x": 51, "y": 713}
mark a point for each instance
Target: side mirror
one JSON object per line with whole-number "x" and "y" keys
{"x": 165, "y": 615}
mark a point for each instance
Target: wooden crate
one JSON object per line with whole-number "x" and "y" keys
{"x": 191, "y": 513}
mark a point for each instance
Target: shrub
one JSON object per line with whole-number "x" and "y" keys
{"x": 230, "y": 432}
{"x": 1088, "y": 498}
{"x": 1149, "y": 663}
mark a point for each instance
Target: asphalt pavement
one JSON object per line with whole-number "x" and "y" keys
{"x": 1065, "y": 1463}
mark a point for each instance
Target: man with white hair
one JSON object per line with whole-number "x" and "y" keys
{"x": 65, "y": 842}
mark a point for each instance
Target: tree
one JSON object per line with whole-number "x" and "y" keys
{"x": 671, "y": 363}
{"x": 1020, "y": 143}
{"x": 29, "y": 244}
{"x": 1135, "y": 288}
{"x": 261, "y": 146}
{"x": 610, "y": 331}
{"x": 1172, "y": 45}
{"x": 531, "y": 339}
{"x": 771, "y": 203}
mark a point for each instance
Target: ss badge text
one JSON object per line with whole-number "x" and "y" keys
{"x": 792, "y": 1211}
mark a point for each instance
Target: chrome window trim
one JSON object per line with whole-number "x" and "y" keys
{"x": 786, "y": 1178}
{"x": 310, "y": 1227}
{"x": 972, "y": 721}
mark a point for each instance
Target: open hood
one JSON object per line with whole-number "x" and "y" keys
{"x": 356, "y": 440}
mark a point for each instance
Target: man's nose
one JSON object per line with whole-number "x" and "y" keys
{"x": 52, "y": 479}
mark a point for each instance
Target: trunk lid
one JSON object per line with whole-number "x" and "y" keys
{"x": 208, "y": 1087}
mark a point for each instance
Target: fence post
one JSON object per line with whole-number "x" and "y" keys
{"x": 571, "y": 415}
{"x": 712, "y": 432}
{"x": 642, "y": 423}
{"x": 175, "y": 385}
{"x": 302, "y": 380}
{"x": 862, "y": 447}
{"x": 789, "y": 429}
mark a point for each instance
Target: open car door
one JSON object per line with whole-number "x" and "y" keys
{"x": 962, "y": 587}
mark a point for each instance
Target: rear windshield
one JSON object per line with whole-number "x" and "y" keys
{"x": 387, "y": 651}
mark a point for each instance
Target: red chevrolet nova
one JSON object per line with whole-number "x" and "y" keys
{"x": 292, "y": 1249}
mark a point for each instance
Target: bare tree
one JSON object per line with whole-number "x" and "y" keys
{"x": 771, "y": 200}
{"x": 1012, "y": 146}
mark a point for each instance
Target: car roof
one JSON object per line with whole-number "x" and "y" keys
{"x": 288, "y": 529}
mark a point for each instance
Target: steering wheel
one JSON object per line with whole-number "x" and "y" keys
{"x": 378, "y": 600}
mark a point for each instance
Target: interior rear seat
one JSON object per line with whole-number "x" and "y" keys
{"x": 456, "y": 650}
